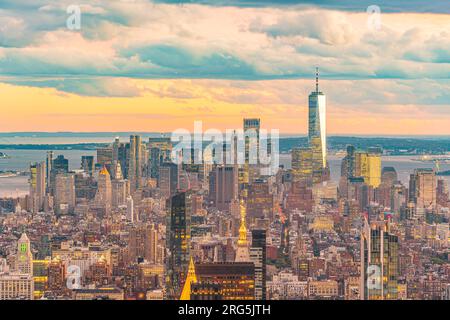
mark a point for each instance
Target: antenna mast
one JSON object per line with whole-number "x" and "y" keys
{"x": 317, "y": 79}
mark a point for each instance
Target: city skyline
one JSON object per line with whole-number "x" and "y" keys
{"x": 220, "y": 63}
{"x": 240, "y": 152}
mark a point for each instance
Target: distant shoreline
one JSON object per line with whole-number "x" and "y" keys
{"x": 392, "y": 146}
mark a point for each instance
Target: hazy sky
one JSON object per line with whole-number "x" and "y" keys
{"x": 138, "y": 65}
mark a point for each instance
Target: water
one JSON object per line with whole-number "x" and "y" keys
{"x": 21, "y": 159}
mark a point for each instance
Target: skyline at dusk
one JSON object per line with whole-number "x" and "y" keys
{"x": 221, "y": 63}
{"x": 217, "y": 157}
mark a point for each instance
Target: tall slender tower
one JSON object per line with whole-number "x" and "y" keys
{"x": 243, "y": 253}
{"x": 49, "y": 167}
{"x": 178, "y": 242}
{"x": 104, "y": 190}
{"x": 317, "y": 122}
{"x": 24, "y": 255}
{"x": 37, "y": 186}
{"x": 135, "y": 162}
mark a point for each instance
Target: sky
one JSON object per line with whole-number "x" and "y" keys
{"x": 150, "y": 66}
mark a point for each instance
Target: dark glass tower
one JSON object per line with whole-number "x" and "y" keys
{"x": 178, "y": 243}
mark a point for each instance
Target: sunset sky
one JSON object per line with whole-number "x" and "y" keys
{"x": 139, "y": 65}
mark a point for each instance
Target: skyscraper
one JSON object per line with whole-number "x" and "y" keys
{"x": 168, "y": 179}
{"x": 250, "y": 169}
{"x": 105, "y": 156}
{"x": 49, "y": 166}
{"x": 87, "y": 164}
{"x": 379, "y": 261}
{"x": 368, "y": 166}
{"x": 258, "y": 255}
{"x": 130, "y": 209}
{"x": 120, "y": 192}
{"x": 59, "y": 165}
{"x": 24, "y": 256}
{"x": 302, "y": 165}
{"x": 135, "y": 162}
{"x": 422, "y": 190}
{"x": 223, "y": 186}
{"x": 103, "y": 196}
{"x": 317, "y": 121}
{"x": 64, "y": 193}
{"x": 251, "y": 131}
{"x": 178, "y": 244}
{"x": 37, "y": 186}
{"x": 242, "y": 253}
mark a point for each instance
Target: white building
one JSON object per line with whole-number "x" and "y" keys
{"x": 16, "y": 286}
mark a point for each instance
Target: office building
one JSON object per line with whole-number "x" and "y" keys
{"x": 379, "y": 261}
{"x": 64, "y": 201}
{"x": 37, "y": 186}
{"x": 178, "y": 242}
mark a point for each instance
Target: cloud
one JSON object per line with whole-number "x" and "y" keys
{"x": 158, "y": 40}
{"x": 436, "y": 6}
{"x": 252, "y": 57}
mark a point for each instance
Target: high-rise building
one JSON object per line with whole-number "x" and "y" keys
{"x": 178, "y": 242}
{"x": 103, "y": 196}
{"x": 122, "y": 156}
{"x": 168, "y": 179}
{"x": 130, "y": 209}
{"x": 24, "y": 256}
{"x": 261, "y": 203}
{"x": 388, "y": 176}
{"x": 379, "y": 261}
{"x": 159, "y": 152}
{"x": 223, "y": 186}
{"x": 348, "y": 163}
{"x": 368, "y": 166}
{"x": 60, "y": 165}
{"x": 120, "y": 192}
{"x": 57, "y": 276}
{"x": 250, "y": 168}
{"x": 252, "y": 128}
{"x": 258, "y": 255}
{"x": 442, "y": 198}
{"x": 317, "y": 122}
{"x": 135, "y": 162}
{"x": 64, "y": 201}
{"x": 87, "y": 164}
{"x": 37, "y": 186}
{"x": 40, "y": 277}
{"x": 105, "y": 156}
{"x": 302, "y": 166}
{"x": 422, "y": 190}
{"x": 49, "y": 166}
{"x": 242, "y": 252}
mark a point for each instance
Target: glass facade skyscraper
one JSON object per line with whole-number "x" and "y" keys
{"x": 317, "y": 121}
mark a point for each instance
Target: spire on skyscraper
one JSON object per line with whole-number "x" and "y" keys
{"x": 190, "y": 278}
{"x": 242, "y": 253}
{"x": 317, "y": 79}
